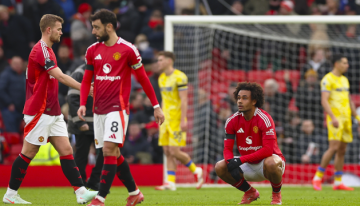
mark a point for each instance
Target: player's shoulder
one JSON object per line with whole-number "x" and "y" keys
{"x": 264, "y": 117}
{"x": 328, "y": 77}
{"x": 39, "y": 51}
{"x": 128, "y": 46}
{"x": 93, "y": 46}
{"x": 162, "y": 75}
{"x": 179, "y": 73}
{"x": 233, "y": 118}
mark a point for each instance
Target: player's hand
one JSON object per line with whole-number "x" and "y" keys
{"x": 11, "y": 107}
{"x": 159, "y": 116}
{"x": 91, "y": 93}
{"x": 233, "y": 163}
{"x": 84, "y": 127}
{"x": 183, "y": 125}
{"x": 335, "y": 122}
{"x": 81, "y": 112}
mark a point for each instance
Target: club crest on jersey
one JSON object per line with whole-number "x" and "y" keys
{"x": 107, "y": 68}
{"x": 256, "y": 129}
{"x": 117, "y": 56}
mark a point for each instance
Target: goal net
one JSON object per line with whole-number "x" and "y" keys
{"x": 288, "y": 56}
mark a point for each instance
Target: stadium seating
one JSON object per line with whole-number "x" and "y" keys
{"x": 259, "y": 75}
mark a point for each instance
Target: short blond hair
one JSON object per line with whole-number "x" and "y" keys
{"x": 49, "y": 20}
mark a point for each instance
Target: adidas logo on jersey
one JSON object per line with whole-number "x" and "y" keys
{"x": 240, "y": 130}
{"x": 98, "y": 57}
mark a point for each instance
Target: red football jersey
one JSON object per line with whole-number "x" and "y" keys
{"x": 112, "y": 70}
{"x": 41, "y": 88}
{"x": 250, "y": 134}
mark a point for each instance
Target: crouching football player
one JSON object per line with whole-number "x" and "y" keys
{"x": 261, "y": 158}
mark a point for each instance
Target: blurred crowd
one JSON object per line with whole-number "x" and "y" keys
{"x": 295, "y": 107}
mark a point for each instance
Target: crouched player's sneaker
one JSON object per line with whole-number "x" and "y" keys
{"x": 198, "y": 174}
{"x": 85, "y": 195}
{"x": 16, "y": 199}
{"x": 250, "y": 196}
{"x": 276, "y": 198}
{"x": 166, "y": 186}
{"x": 134, "y": 199}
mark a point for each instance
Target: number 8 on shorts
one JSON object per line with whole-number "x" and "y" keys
{"x": 110, "y": 127}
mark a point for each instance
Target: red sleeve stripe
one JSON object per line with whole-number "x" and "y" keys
{"x": 44, "y": 49}
{"x": 265, "y": 118}
{"x": 230, "y": 118}
{"x": 131, "y": 46}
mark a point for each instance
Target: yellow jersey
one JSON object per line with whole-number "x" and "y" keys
{"x": 339, "y": 94}
{"x": 170, "y": 87}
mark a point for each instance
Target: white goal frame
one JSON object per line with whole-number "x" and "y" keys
{"x": 209, "y": 21}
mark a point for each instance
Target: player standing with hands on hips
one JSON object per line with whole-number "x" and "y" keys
{"x": 111, "y": 60}
{"x": 261, "y": 158}
{"x": 42, "y": 114}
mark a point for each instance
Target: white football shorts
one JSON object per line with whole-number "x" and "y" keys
{"x": 110, "y": 127}
{"x": 39, "y": 129}
{"x": 255, "y": 172}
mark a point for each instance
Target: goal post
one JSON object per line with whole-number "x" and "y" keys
{"x": 217, "y": 51}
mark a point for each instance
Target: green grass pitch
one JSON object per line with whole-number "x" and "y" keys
{"x": 191, "y": 196}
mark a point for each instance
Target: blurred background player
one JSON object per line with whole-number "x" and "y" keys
{"x": 173, "y": 87}
{"x": 335, "y": 98}
{"x": 84, "y": 133}
{"x": 261, "y": 158}
{"x": 42, "y": 114}
{"x": 112, "y": 60}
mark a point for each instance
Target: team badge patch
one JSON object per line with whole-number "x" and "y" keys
{"x": 41, "y": 139}
{"x": 117, "y": 56}
{"x": 256, "y": 129}
{"x": 96, "y": 142}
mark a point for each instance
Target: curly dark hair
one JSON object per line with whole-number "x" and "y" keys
{"x": 256, "y": 90}
{"x": 106, "y": 17}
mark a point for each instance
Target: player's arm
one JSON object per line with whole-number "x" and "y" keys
{"x": 353, "y": 110}
{"x": 229, "y": 140}
{"x": 84, "y": 90}
{"x": 325, "y": 103}
{"x": 64, "y": 78}
{"x": 134, "y": 61}
{"x": 183, "y": 93}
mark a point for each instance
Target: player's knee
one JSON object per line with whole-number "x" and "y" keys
{"x": 273, "y": 165}
{"x": 66, "y": 151}
{"x": 109, "y": 151}
{"x": 341, "y": 152}
{"x": 220, "y": 168}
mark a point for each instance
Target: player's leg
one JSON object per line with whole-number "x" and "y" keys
{"x": 94, "y": 180}
{"x": 82, "y": 146}
{"x": 326, "y": 158}
{"x": 125, "y": 176}
{"x": 36, "y": 133}
{"x": 273, "y": 169}
{"x": 334, "y": 136}
{"x": 340, "y": 156}
{"x": 164, "y": 136}
{"x": 59, "y": 139}
{"x": 237, "y": 180}
{"x": 18, "y": 172}
{"x": 177, "y": 139}
{"x": 185, "y": 159}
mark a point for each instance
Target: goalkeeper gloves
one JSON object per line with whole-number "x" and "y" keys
{"x": 233, "y": 164}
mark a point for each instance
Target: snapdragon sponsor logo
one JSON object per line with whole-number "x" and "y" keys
{"x": 250, "y": 148}
{"x": 108, "y": 78}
